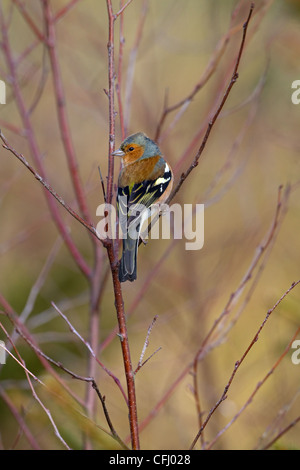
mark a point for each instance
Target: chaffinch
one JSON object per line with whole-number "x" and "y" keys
{"x": 145, "y": 179}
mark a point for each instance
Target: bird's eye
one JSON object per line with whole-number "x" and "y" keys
{"x": 131, "y": 149}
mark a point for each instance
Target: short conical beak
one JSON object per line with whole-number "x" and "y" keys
{"x": 118, "y": 153}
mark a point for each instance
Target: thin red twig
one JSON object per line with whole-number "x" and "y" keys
{"x": 38, "y": 177}
{"x": 29, "y": 20}
{"x": 76, "y": 255}
{"x": 21, "y": 329}
{"x": 61, "y": 110}
{"x": 211, "y": 123}
{"x": 206, "y": 75}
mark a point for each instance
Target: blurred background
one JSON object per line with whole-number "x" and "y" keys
{"x": 169, "y": 48}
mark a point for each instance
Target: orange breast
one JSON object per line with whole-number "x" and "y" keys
{"x": 138, "y": 171}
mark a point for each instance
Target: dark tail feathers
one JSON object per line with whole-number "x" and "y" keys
{"x": 128, "y": 263}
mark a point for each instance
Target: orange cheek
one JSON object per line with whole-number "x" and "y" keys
{"x": 131, "y": 157}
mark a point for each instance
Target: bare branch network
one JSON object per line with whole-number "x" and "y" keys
{"x": 55, "y": 381}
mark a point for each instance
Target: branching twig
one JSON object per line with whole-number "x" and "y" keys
{"x": 207, "y": 74}
{"x": 29, "y": 20}
{"x": 88, "y": 346}
{"x": 20, "y": 419}
{"x": 141, "y": 362}
{"x": 107, "y": 416}
{"x": 217, "y": 112}
{"x": 119, "y": 303}
{"x": 233, "y": 300}
{"x": 102, "y": 184}
{"x": 246, "y": 278}
{"x": 282, "y": 432}
{"x": 38, "y": 177}
{"x": 96, "y": 275}
{"x": 212, "y": 121}
{"x": 257, "y": 388}
{"x": 131, "y": 65}
{"x": 61, "y": 111}
{"x": 276, "y": 425}
{"x": 21, "y": 330}
{"x": 239, "y": 362}
{"x": 204, "y": 348}
{"x": 29, "y": 374}
{"x": 11, "y": 65}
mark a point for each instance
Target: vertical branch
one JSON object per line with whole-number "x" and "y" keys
{"x": 28, "y": 130}
{"x": 61, "y": 110}
{"x": 119, "y": 303}
{"x": 95, "y": 280}
{"x": 119, "y": 79}
{"x": 96, "y": 286}
{"x": 215, "y": 116}
{"x": 111, "y": 101}
{"x": 129, "y": 373}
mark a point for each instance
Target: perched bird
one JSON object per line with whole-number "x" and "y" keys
{"x": 145, "y": 179}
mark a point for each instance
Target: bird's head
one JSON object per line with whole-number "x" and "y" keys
{"x": 136, "y": 147}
